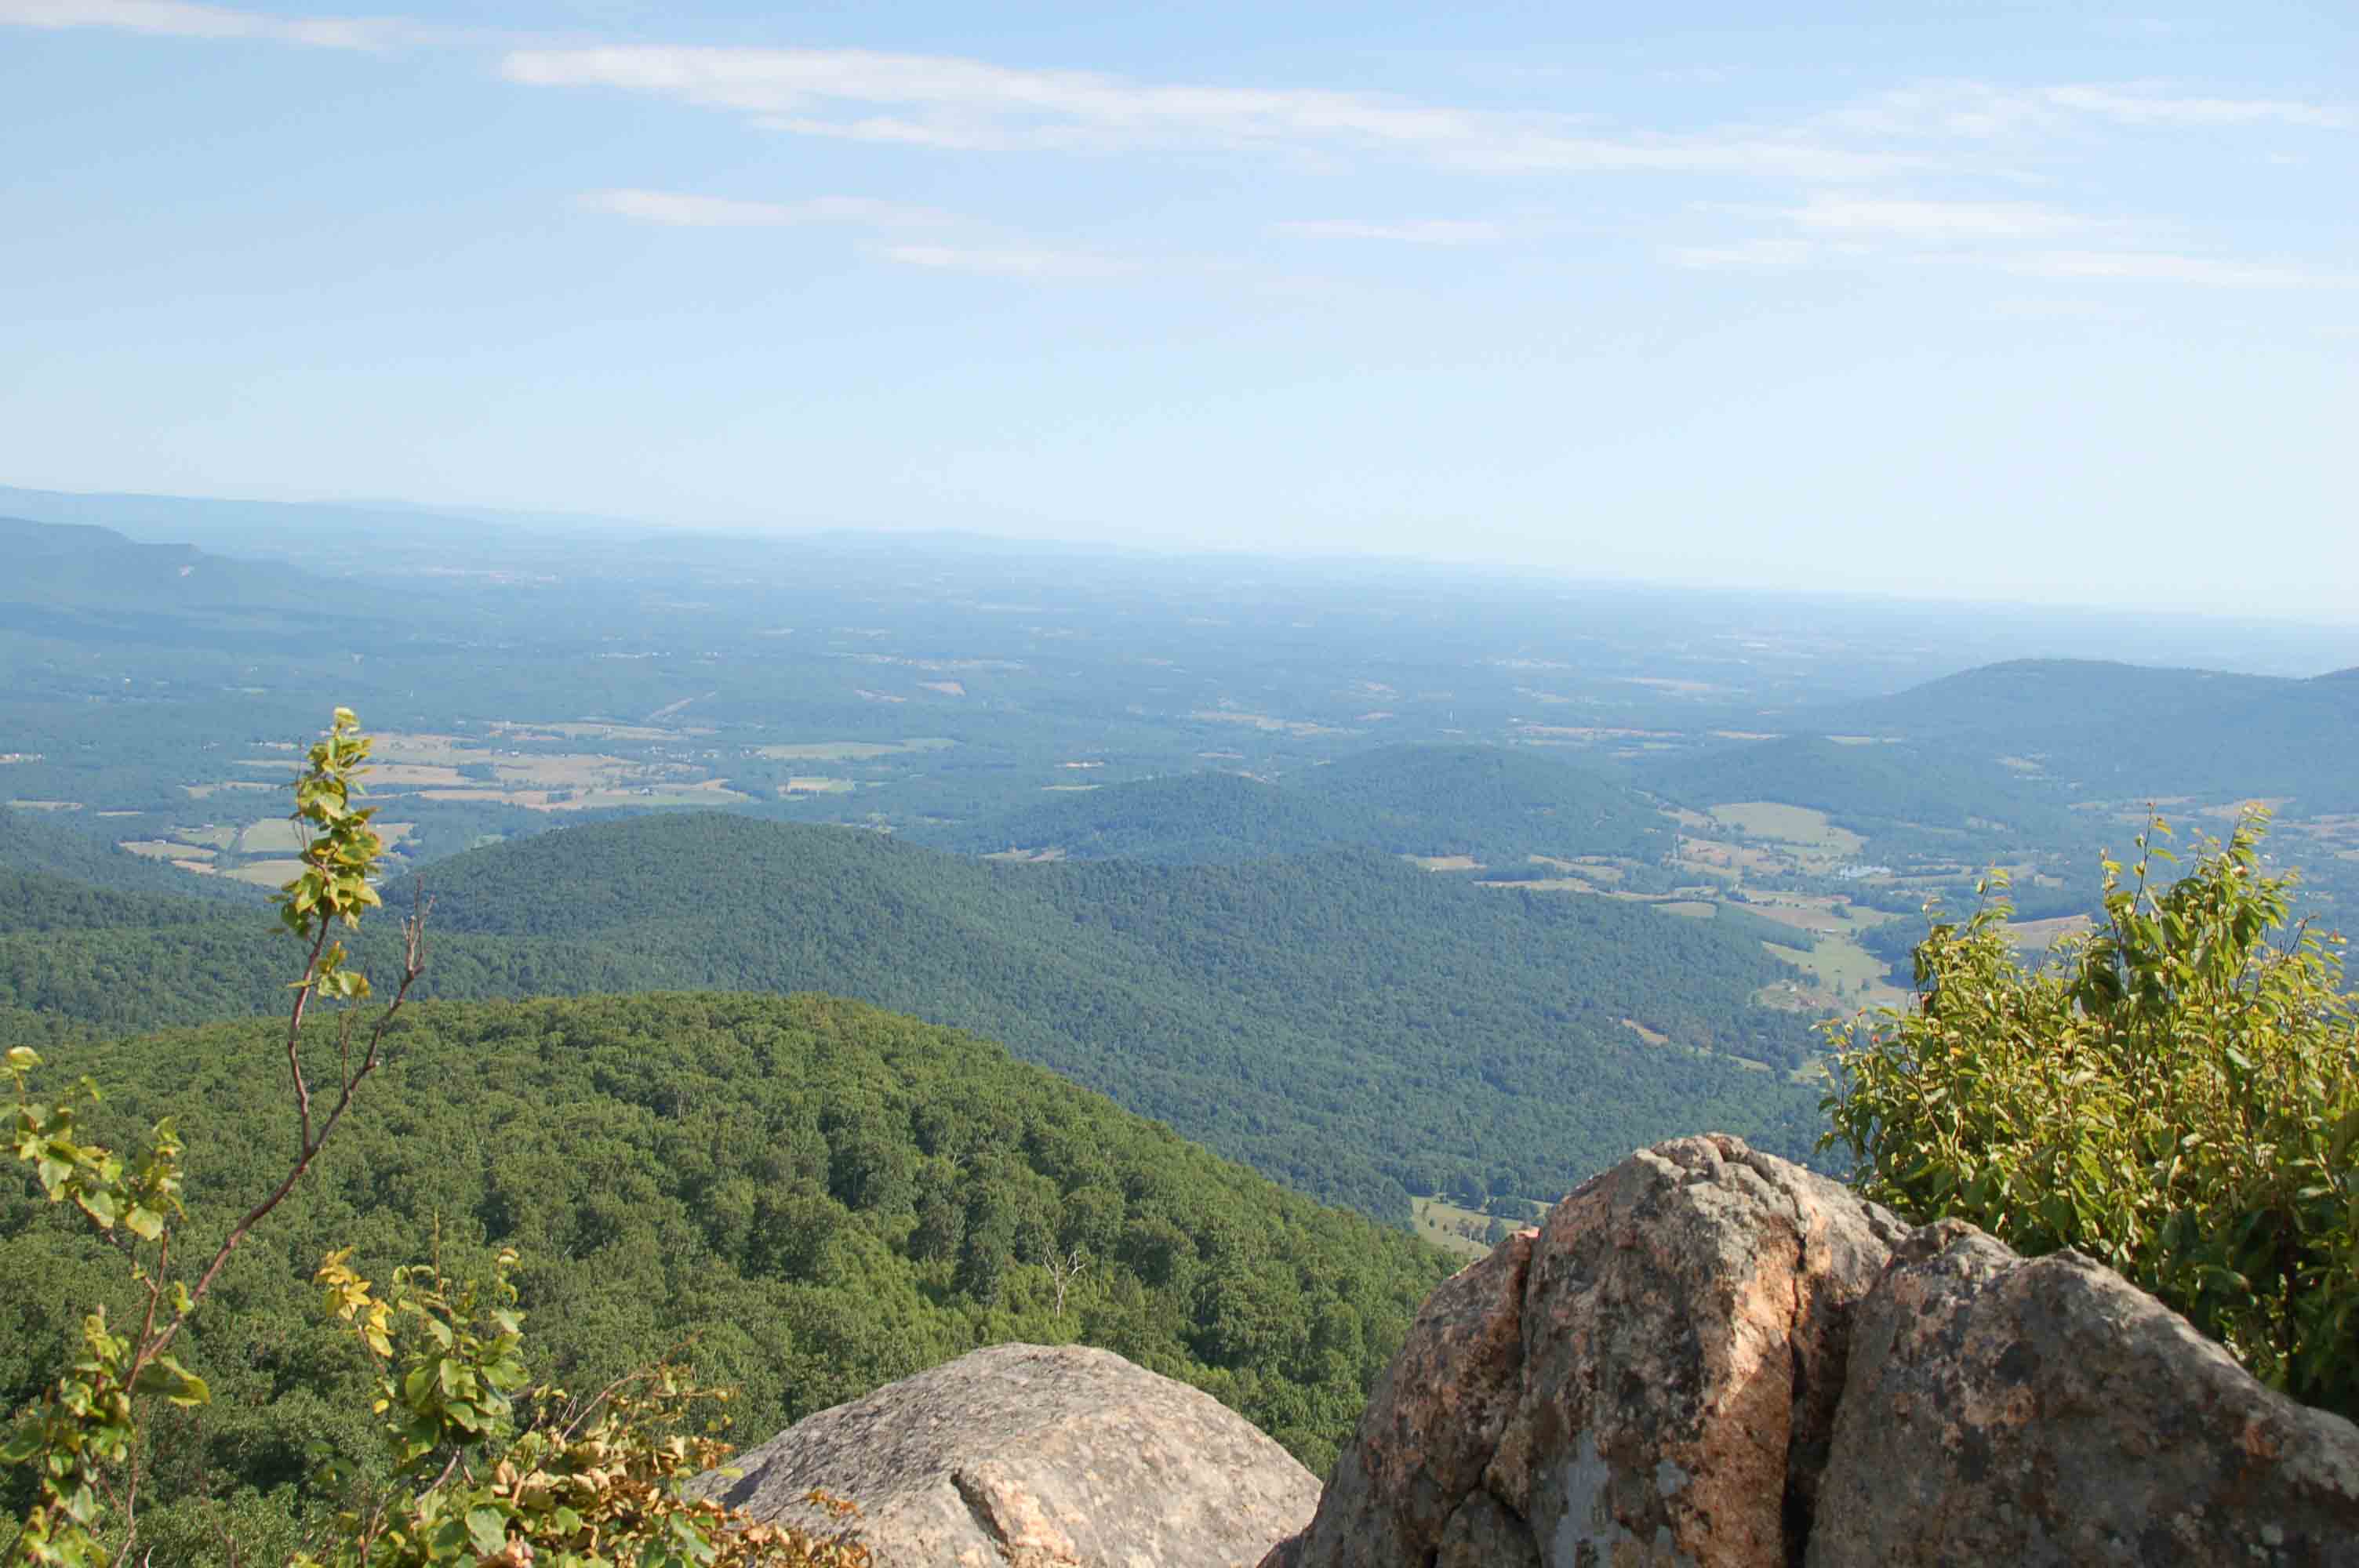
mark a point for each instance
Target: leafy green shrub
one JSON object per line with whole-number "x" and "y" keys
{"x": 2175, "y": 1093}
{"x": 467, "y": 1477}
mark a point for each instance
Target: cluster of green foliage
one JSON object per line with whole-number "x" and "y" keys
{"x": 1344, "y": 1021}
{"x": 803, "y": 1197}
{"x": 2175, "y": 1094}
{"x": 815, "y": 1197}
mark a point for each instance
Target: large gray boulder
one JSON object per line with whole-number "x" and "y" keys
{"x": 2000, "y": 1409}
{"x": 1650, "y": 1380}
{"x": 1033, "y": 1456}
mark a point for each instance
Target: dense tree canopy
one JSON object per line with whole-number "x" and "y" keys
{"x": 1346, "y": 1024}
{"x": 814, "y": 1196}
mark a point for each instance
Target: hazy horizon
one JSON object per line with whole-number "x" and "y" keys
{"x": 2041, "y": 307}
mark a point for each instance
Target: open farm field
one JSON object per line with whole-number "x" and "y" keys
{"x": 2037, "y": 935}
{"x": 1458, "y": 1230}
{"x": 270, "y": 836}
{"x": 264, "y": 873}
{"x": 851, "y": 751}
{"x": 1844, "y": 977}
{"x": 164, "y": 850}
{"x": 1265, "y": 723}
{"x": 1800, "y": 826}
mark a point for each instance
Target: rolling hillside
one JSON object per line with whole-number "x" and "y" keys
{"x": 1493, "y": 804}
{"x": 2095, "y": 729}
{"x": 1346, "y": 1024}
{"x": 804, "y": 1196}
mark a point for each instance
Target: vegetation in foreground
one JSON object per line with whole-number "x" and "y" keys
{"x": 2175, "y": 1093}
{"x": 801, "y": 1197}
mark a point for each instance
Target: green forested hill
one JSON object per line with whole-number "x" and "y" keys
{"x": 1866, "y": 785}
{"x": 1493, "y": 802}
{"x": 31, "y": 842}
{"x": 1346, "y": 1024}
{"x": 2104, "y": 731}
{"x": 1184, "y": 819}
{"x": 815, "y": 1196}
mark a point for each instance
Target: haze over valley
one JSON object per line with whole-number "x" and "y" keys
{"x": 820, "y": 731}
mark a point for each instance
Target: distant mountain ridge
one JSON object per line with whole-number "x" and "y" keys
{"x": 1348, "y": 1025}
{"x": 1493, "y": 804}
{"x": 2026, "y": 738}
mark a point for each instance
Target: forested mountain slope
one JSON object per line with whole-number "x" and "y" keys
{"x": 1344, "y": 1022}
{"x": 2104, "y": 731}
{"x": 33, "y": 841}
{"x": 1865, "y": 782}
{"x": 1494, "y": 803}
{"x": 813, "y": 1196}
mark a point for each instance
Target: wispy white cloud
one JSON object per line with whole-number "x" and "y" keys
{"x": 2148, "y": 106}
{"x": 1842, "y": 212}
{"x": 1412, "y": 231}
{"x": 1974, "y": 111}
{"x": 1744, "y": 253}
{"x": 2158, "y": 266}
{"x": 1044, "y": 264}
{"x": 685, "y": 210}
{"x": 178, "y": 18}
{"x": 974, "y": 105}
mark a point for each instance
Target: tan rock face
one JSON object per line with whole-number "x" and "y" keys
{"x": 1650, "y": 1380}
{"x": 1030, "y": 1456}
{"x": 2000, "y": 1409}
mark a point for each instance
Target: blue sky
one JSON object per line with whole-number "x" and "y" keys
{"x": 2057, "y": 303}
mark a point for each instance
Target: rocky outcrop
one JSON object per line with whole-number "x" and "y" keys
{"x": 1706, "y": 1358}
{"x": 1710, "y": 1357}
{"x": 1031, "y": 1456}
{"x": 2000, "y": 1409}
{"x": 1651, "y": 1379}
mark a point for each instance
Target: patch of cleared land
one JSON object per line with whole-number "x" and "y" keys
{"x": 705, "y": 794}
{"x": 1651, "y": 1037}
{"x": 271, "y": 836}
{"x": 2038, "y": 935}
{"x": 1445, "y": 863}
{"x": 851, "y": 751}
{"x": 1028, "y": 857}
{"x": 1550, "y": 885}
{"x": 815, "y": 784}
{"x": 1843, "y": 976}
{"x": 1458, "y": 1229}
{"x": 207, "y": 791}
{"x": 164, "y": 849}
{"x": 1068, "y": 789}
{"x": 1264, "y": 722}
{"x": 1790, "y": 823}
{"x": 265, "y": 873}
{"x": 47, "y": 805}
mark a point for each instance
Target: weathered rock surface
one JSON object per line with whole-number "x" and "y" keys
{"x": 1034, "y": 1456}
{"x": 2000, "y": 1409}
{"x": 1650, "y": 1380}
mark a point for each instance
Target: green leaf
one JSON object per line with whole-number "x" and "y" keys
{"x": 488, "y": 1530}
